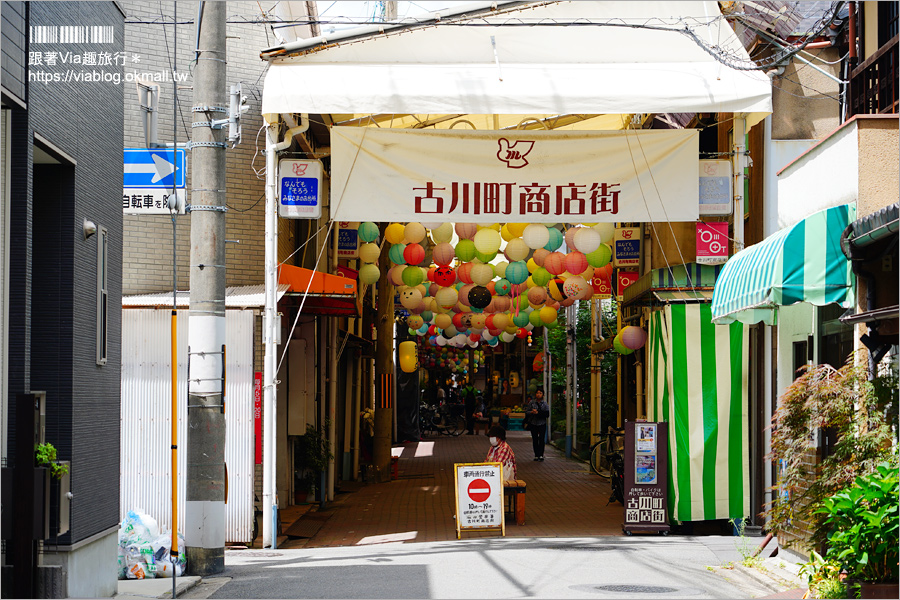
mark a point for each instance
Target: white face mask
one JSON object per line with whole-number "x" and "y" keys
{"x": 494, "y": 441}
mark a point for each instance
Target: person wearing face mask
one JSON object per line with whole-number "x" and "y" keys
{"x": 501, "y": 452}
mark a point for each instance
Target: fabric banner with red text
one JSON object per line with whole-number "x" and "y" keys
{"x": 514, "y": 176}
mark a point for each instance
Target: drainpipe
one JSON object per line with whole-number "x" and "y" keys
{"x": 739, "y": 160}
{"x": 852, "y": 59}
{"x": 270, "y": 321}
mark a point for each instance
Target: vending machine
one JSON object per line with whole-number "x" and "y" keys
{"x": 646, "y": 477}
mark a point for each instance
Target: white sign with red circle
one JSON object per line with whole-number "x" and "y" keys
{"x": 479, "y": 496}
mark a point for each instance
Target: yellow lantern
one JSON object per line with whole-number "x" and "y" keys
{"x": 409, "y": 357}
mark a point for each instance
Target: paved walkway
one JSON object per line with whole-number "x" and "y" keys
{"x": 564, "y": 499}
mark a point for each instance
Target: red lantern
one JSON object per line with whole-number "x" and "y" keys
{"x": 445, "y": 276}
{"x": 413, "y": 254}
{"x": 555, "y": 263}
{"x": 522, "y": 333}
{"x": 576, "y": 262}
{"x": 463, "y": 272}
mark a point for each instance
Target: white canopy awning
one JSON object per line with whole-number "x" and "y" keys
{"x": 562, "y": 57}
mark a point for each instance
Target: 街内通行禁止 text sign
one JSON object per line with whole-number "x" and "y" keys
{"x": 514, "y": 176}
{"x": 479, "y": 496}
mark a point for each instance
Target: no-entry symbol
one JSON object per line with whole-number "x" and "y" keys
{"x": 479, "y": 490}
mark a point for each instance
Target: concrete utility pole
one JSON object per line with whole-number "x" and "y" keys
{"x": 204, "y": 534}
{"x": 384, "y": 370}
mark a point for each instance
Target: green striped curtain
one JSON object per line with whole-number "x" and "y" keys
{"x": 698, "y": 385}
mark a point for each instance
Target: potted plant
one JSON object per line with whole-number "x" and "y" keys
{"x": 45, "y": 456}
{"x": 863, "y": 530}
{"x": 312, "y": 456}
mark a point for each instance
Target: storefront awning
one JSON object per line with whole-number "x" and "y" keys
{"x": 320, "y": 293}
{"x": 801, "y": 263}
{"x": 678, "y": 283}
{"x": 525, "y": 58}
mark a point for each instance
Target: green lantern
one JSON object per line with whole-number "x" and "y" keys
{"x": 465, "y": 250}
{"x": 368, "y": 231}
{"x": 412, "y": 276}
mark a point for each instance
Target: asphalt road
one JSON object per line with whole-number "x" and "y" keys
{"x": 598, "y": 567}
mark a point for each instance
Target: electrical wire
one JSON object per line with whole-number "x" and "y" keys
{"x": 172, "y": 66}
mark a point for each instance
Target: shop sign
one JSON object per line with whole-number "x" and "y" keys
{"x": 348, "y": 239}
{"x": 602, "y": 287}
{"x": 623, "y": 280}
{"x": 300, "y": 191}
{"x": 716, "y": 197}
{"x": 627, "y": 250}
{"x": 712, "y": 243}
{"x": 257, "y": 414}
{"x": 513, "y": 176}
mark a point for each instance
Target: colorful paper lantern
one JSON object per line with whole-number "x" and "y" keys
{"x": 443, "y": 254}
{"x": 633, "y": 337}
{"x": 587, "y": 240}
{"x": 556, "y": 239}
{"x": 482, "y": 274}
{"x": 409, "y": 356}
{"x": 369, "y": 253}
{"x": 466, "y": 231}
{"x": 555, "y": 263}
{"x": 576, "y": 262}
{"x": 479, "y": 297}
{"x": 539, "y": 255}
{"x": 414, "y": 233}
{"x": 516, "y": 273}
{"x": 487, "y": 241}
{"x": 548, "y": 314}
{"x": 502, "y": 287}
{"x": 415, "y": 322}
{"x": 396, "y": 254}
{"x": 465, "y": 250}
{"x": 599, "y": 257}
{"x": 413, "y": 276}
{"x": 442, "y": 234}
{"x": 447, "y": 297}
{"x": 517, "y": 229}
{"x": 516, "y": 250}
{"x": 369, "y": 273}
{"x": 536, "y": 236}
{"x": 619, "y": 347}
{"x": 464, "y": 273}
{"x": 368, "y": 231}
{"x": 414, "y": 253}
{"x": 395, "y": 233}
{"x": 537, "y": 296}
{"x": 541, "y": 277}
{"x": 607, "y": 231}
{"x": 444, "y": 276}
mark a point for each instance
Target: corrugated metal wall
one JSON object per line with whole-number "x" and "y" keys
{"x": 146, "y": 417}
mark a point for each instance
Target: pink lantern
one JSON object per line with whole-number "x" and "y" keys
{"x": 539, "y": 255}
{"x": 443, "y": 254}
{"x": 633, "y": 337}
{"x": 464, "y": 294}
{"x": 576, "y": 262}
{"x": 466, "y": 231}
{"x": 570, "y": 238}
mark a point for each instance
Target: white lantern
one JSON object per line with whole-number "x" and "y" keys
{"x": 536, "y": 236}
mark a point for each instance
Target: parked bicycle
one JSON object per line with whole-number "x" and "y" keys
{"x": 443, "y": 419}
{"x": 608, "y": 460}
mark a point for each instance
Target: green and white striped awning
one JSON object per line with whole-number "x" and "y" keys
{"x": 801, "y": 263}
{"x": 698, "y": 385}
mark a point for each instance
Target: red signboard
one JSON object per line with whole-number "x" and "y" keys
{"x": 602, "y": 286}
{"x": 712, "y": 243}
{"x": 624, "y": 279}
{"x": 257, "y": 414}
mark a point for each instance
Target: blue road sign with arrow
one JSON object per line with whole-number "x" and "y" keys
{"x": 159, "y": 169}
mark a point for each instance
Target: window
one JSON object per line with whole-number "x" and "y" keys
{"x": 102, "y": 294}
{"x": 887, "y": 22}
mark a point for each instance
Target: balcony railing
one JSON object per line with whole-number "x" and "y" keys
{"x": 873, "y": 84}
